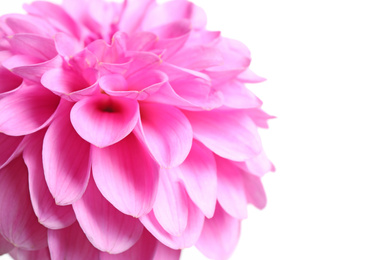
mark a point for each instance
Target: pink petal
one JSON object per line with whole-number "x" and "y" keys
{"x": 66, "y": 159}
{"x": 144, "y": 249}
{"x": 170, "y": 207}
{"x": 141, "y": 41}
{"x": 236, "y": 95}
{"x": 187, "y": 239}
{"x": 5, "y": 246}
{"x": 33, "y": 45}
{"x": 199, "y": 175}
{"x": 133, "y": 14}
{"x": 69, "y": 84}
{"x": 249, "y": 76}
{"x": 71, "y": 244}
{"x": 239, "y": 141}
{"x": 113, "y": 231}
{"x": 49, "y": 214}
{"x": 9, "y": 82}
{"x": 11, "y": 148}
{"x": 197, "y": 57}
{"x": 164, "y": 253}
{"x": 167, "y": 133}
{"x": 19, "y": 23}
{"x": 254, "y": 190}
{"x": 18, "y": 224}
{"x": 66, "y": 45}
{"x": 219, "y": 235}
{"x": 258, "y": 165}
{"x": 27, "y": 110}
{"x": 259, "y": 117}
{"x": 231, "y": 190}
{"x": 41, "y": 254}
{"x": 103, "y": 120}
{"x": 125, "y": 170}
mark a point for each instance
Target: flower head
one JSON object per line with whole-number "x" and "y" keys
{"x": 126, "y": 132}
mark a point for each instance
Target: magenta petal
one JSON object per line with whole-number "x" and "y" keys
{"x": 254, "y": 190}
{"x": 13, "y": 148}
{"x": 5, "y": 246}
{"x": 113, "y": 231}
{"x": 171, "y": 205}
{"x": 9, "y": 82}
{"x": 231, "y": 190}
{"x": 199, "y": 175}
{"x": 165, "y": 253}
{"x": 71, "y": 244}
{"x": 240, "y": 140}
{"x": 104, "y": 120}
{"x": 66, "y": 159}
{"x": 41, "y": 254}
{"x": 144, "y": 249}
{"x": 187, "y": 239}
{"x": 33, "y": 45}
{"x": 219, "y": 235}
{"x": 167, "y": 133}
{"x": 27, "y": 110}
{"x": 49, "y": 214}
{"x": 125, "y": 170}
{"x": 18, "y": 224}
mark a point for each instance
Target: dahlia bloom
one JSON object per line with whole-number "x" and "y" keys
{"x": 126, "y": 132}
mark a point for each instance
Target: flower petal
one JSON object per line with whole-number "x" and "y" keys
{"x": 104, "y": 120}
{"x": 231, "y": 190}
{"x": 219, "y": 235}
{"x": 125, "y": 170}
{"x": 236, "y": 95}
{"x": 27, "y": 110}
{"x": 19, "y": 23}
{"x": 144, "y": 249}
{"x": 9, "y": 82}
{"x": 254, "y": 190}
{"x": 49, "y": 214}
{"x": 197, "y": 57}
{"x": 199, "y": 175}
{"x": 41, "y": 254}
{"x": 71, "y": 244}
{"x": 12, "y": 148}
{"x": 166, "y": 132}
{"x": 33, "y": 45}
{"x": 187, "y": 239}
{"x": 18, "y": 224}
{"x": 133, "y": 14}
{"x": 66, "y": 159}
{"x": 163, "y": 253}
{"x": 240, "y": 140}
{"x": 170, "y": 207}
{"x": 5, "y": 246}
{"x": 113, "y": 231}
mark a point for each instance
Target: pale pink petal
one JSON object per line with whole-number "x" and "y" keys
{"x": 103, "y": 120}
{"x": 12, "y": 148}
{"x": 110, "y": 231}
{"x": 18, "y": 224}
{"x": 141, "y": 41}
{"x": 114, "y": 53}
{"x": 19, "y": 23}
{"x": 134, "y": 14}
{"x": 219, "y": 235}
{"x": 199, "y": 175}
{"x": 249, "y": 76}
{"x": 236, "y": 95}
{"x": 126, "y": 176}
{"x": 187, "y": 239}
{"x": 254, "y": 190}
{"x": 230, "y": 134}
{"x": 5, "y": 246}
{"x": 165, "y": 253}
{"x": 231, "y": 190}
{"x": 197, "y": 57}
{"x": 71, "y": 244}
{"x": 49, "y": 214}
{"x": 27, "y": 110}
{"x": 144, "y": 249}
{"x": 66, "y": 159}
{"x": 171, "y": 205}
{"x": 33, "y": 45}
{"x": 166, "y": 132}
{"x": 258, "y": 165}
{"x": 9, "y": 82}
{"x": 259, "y": 117}
{"x": 20, "y": 254}
{"x": 66, "y": 45}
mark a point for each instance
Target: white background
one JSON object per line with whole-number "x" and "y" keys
{"x": 328, "y": 70}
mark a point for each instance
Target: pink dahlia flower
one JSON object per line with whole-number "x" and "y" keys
{"x": 126, "y": 132}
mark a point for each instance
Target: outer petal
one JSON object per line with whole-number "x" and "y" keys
{"x": 11, "y": 147}
{"x": 167, "y": 133}
{"x": 187, "y": 239}
{"x": 113, "y": 231}
{"x": 20, "y": 23}
{"x": 231, "y": 189}
{"x": 230, "y": 134}
{"x": 197, "y": 57}
{"x": 236, "y": 95}
{"x": 33, "y": 45}
{"x": 9, "y": 82}
{"x": 171, "y": 206}
{"x": 27, "y": 110}
{"x": 133, "y": 14}
{"x": 199, "y": 175}
{"x": 49, "y": 214}
{"x": 125, "y": 170}
{"x": 5, "y": 246}
{"x": 71, "y": 244}
{"x": 20, "y": 254}
{"x": 254, "y": 190}
{"x": 164, "y": 253}
{"x": 18, "y": 224}
{"x": 219, "y": 235}
{"x": 104, "y": 120}
{"x": 144, "y": 249}
{"x": 66, "y": 160}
